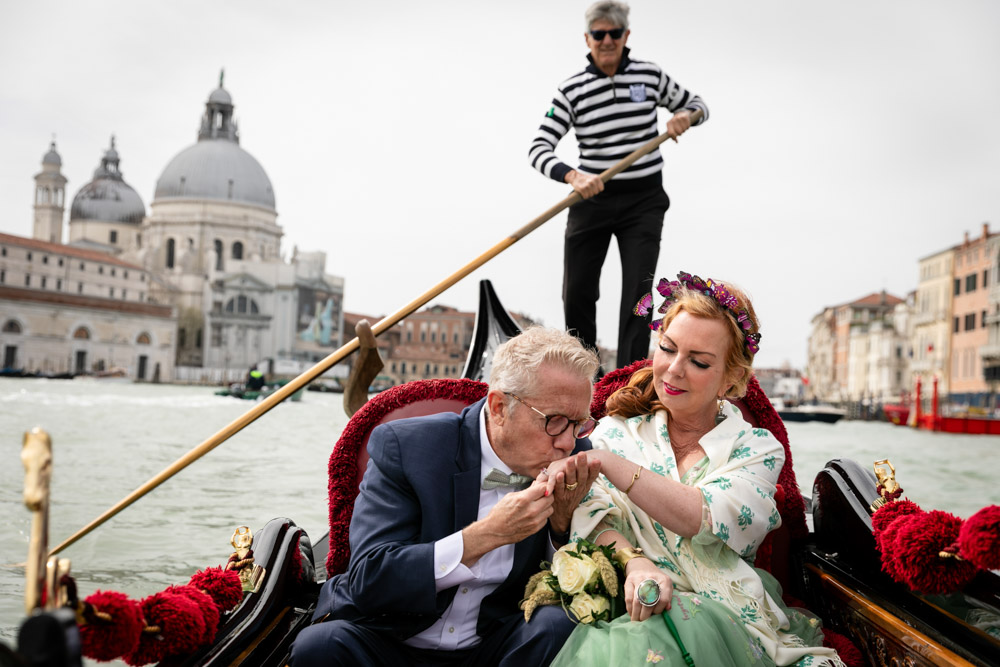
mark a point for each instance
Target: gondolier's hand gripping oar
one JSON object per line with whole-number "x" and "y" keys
{"x": 339, "y": 355}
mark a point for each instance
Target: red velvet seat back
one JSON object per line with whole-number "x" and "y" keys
{"x": 350, "y": 455}
{"x": 758, "y": 411}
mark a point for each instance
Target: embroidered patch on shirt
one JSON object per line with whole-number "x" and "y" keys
{"x": 551, "y": 113}
{"x": 637, "y": 92}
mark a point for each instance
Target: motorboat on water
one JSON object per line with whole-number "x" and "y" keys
{"x": 804, "y": 412}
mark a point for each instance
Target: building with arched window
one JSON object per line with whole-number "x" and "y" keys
{"x": 71, "y": 310}
{"x": 210, "y": 250}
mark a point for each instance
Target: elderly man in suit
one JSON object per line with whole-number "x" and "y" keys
{"x": 456, "y": 512}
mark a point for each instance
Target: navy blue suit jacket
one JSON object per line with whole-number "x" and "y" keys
{"x": 421, "y": 485}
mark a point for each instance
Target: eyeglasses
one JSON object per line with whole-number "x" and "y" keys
{"x": 557, "y": 424}
{"x": 598, "y": 35}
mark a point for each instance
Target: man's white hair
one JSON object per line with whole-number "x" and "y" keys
{"x": 612, "y": 11}
{"x": 516, "y": 362}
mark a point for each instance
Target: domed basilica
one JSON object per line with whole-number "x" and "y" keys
{"x": 211, "y": 247}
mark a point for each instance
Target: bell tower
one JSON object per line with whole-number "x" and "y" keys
{"x": 50, "y": 198}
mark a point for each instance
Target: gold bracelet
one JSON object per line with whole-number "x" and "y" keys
{"x": 634, "y": 478}
{"x": 625, "y": 554}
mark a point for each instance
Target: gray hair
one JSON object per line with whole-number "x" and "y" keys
{"x": 612, "y": 11}
{"x": 515, "y": 363}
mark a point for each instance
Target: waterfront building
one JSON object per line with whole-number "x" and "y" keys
{"x": 67, "y": 311}
{"x": 990, "y": 352}
{"x": 879, "y": 356}
{"x": 932, "y": 323}
{"x": 209, "y": 248}
{"x": 434, "y": 343}
{"x": 969, "y": 326}
{"x": 844, "y": 341}
{"x": 819, "y": 364}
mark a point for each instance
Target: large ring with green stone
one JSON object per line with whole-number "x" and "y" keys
{"x": 648, "y": 593}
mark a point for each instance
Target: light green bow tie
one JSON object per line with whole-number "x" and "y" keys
{"x": 496, "y": 479}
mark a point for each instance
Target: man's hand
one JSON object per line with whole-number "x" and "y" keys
{"x": 678, "y": 124}
{"x": 586, "y": 184}
{"x": 518, "y": 515}
{"x": 637, "y": 571}
{"x": 568, "y": 481}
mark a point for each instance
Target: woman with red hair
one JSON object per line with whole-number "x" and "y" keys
{"x": 686, "y": 496}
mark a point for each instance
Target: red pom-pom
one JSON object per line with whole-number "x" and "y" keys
{"x": 106, "y": 640}
{"x": 916, "y": 548}
{"x": 181, "y": 623}
{"x": 885, "y": 541}
{"x": 208, "y": 610}
{"x": 979, "y": 538}
{"x": 844, "y": 647}
{"x": 888, "y": 513}
{"x": 224, "y": 586}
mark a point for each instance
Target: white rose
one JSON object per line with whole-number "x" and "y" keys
{"x": 586, "y": 607}
{"x": 574, "y": 572}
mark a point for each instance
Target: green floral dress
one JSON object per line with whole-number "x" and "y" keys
{"x": 726, "y": 612}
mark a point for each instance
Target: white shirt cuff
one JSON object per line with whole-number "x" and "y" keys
{"x": 448, "y": 568}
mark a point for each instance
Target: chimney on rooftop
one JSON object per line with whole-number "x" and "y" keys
{"x": 986, "y": 230}
{"x": 966, "y": 241}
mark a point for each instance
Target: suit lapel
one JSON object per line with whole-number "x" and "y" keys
{"x": 469, "y": 463}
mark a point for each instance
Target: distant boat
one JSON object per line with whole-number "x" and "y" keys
{"x": 239, "y": 390}
{"x": 808, "y": 413}
{"x": 896, "y": 413}
{"x": 969, "y": 422}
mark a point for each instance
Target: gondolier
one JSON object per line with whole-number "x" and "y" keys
{"x": 612, "y": 106}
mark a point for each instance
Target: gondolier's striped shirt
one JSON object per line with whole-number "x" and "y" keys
{"x": 612, "y": 117}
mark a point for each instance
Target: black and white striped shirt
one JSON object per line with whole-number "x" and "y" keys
{"x": 612, "y": 117}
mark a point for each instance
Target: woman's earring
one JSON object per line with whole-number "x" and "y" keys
{"x": 719, "y": 417}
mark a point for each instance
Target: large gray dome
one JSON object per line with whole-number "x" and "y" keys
{"x": 215, "y": 169}
{"x": 108, "y": 197}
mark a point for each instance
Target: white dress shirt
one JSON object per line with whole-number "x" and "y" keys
{"x": 456, "y": 629}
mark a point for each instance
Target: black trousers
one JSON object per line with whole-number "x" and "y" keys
{"x": 636, "y": 221}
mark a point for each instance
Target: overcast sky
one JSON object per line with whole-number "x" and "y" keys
{"x": 846, "y": 140}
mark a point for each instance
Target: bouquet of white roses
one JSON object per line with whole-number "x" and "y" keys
{"x": 582, "y": 578}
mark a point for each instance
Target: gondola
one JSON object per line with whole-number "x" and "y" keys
{"x": 832, "y": 565}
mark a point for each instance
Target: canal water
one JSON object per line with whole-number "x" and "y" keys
{"x": 110, "y": 437}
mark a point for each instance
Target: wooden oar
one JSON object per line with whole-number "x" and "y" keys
{"x": 325, "y": 364}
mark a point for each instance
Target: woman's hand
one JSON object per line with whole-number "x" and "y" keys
{"x": 638, "y": 570}
{"x": 568, "y": 480}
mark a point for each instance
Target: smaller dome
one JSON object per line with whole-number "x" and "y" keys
{"x": 108, "y": 200}
{"x": 108, "y": 197}
{"x": 52, "y": 157}
{"x": 220, "y": 96}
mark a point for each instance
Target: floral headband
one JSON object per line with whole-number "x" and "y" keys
{"x": 670, "y": 290}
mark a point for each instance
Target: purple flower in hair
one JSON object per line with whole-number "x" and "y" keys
{"x": 670, "y": 290}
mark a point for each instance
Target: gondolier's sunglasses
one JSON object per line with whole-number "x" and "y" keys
{"x": 598, "y": 35}
{"x": 557, "y": 424}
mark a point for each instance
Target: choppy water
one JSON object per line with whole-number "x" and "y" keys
{"x": 109, "y": 438}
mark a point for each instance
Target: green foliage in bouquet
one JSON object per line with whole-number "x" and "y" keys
{"x": 583, "y": 578}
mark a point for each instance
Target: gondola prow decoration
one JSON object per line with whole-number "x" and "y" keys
{"x": 36, "y": 455}
{"x": 931, "y": 552}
